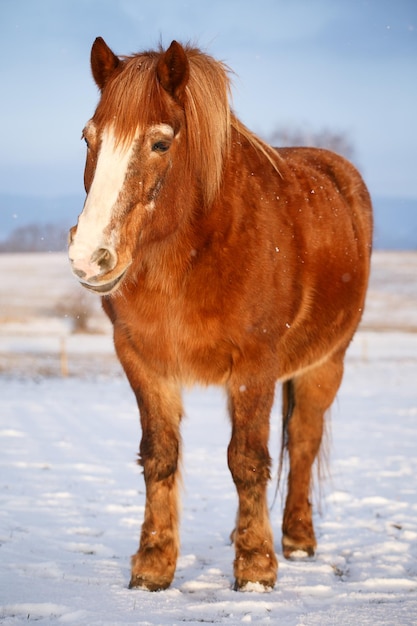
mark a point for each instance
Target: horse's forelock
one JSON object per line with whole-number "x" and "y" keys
{"x": 134, "y": 99}
{"x": 127, "y": 102}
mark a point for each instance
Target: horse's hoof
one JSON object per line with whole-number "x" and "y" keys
{"x": 255, "y": 571}
{"x": 151, "y": 570}
{"x": 259, "y": 587}
{"x": 297, "y": 551}
{"x": 298, "y": 538}
{"x": 141, "y": 582}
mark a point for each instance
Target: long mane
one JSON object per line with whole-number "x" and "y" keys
{"x": 134, "y": 98}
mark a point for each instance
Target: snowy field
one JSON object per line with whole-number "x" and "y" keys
{"x": 72, "y": 497}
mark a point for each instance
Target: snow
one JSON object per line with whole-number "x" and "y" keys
{"x": 72, "y": 496}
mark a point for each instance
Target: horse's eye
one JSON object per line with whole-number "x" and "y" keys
{"x": 86, "y": 142}
{"x": 160, "y": 146}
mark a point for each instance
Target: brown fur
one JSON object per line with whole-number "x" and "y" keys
{"x": 251, "y": 269}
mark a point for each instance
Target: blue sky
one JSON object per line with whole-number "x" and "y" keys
{"x": 345, "y": 65}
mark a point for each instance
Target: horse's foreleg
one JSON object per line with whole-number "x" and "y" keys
{"x": 314, "y": 392}
{"x": 249, "y": 463}
{"x": 153, "y": 566}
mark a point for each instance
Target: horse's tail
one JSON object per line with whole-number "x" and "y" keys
{"x": 288, "y": 404}
{"x": 322, "y": 463}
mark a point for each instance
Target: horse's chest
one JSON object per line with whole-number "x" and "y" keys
{"x": 178, "y": 338}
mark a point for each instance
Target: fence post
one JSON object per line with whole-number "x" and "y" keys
{"x": 64, "y": 358}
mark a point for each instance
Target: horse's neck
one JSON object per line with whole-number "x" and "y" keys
{"x": 163, "y": 265}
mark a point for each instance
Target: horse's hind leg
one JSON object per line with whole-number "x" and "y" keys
{"x": 249, "y": 463}
{"x": 312, "y": 394}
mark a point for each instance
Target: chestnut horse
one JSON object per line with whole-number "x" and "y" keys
{"x": 220, "y": 261}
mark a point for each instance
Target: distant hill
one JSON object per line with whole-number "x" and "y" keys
{"x": 19, "y": 210}
{"x": 395, "y": 218}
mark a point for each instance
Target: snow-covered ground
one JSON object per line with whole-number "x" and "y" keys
{"x": 72, "y": 496}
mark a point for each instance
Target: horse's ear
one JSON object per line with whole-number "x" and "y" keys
{"x": 173, "y": 71}
{"x": 103, "y": 62}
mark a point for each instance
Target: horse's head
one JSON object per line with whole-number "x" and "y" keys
{"x": 132, "y": 142}
{"x": 155, "y": 149}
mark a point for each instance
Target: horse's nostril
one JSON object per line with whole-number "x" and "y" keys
{"x": 80, "y": 273}
{"x": 103, "y": 258}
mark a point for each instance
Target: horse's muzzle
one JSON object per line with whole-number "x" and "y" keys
{"x": 97, "y": 271}
{"x": 104, "y": 289}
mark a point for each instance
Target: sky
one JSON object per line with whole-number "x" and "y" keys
{"x": 347, "y": 66}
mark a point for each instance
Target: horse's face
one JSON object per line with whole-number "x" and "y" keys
{"x": 126, "y": 203}
{"x": 123, "y": 182}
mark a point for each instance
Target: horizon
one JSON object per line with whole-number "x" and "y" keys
{"x": 395, "y": 218}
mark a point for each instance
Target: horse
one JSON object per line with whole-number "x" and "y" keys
{"x": 219, "y": 260}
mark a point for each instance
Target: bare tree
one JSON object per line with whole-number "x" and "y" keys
{"x": 325, "y": 138}
{"x": 36, "y": 238}
{"x": 78, "y": 307}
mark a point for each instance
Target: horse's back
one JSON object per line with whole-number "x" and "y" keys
{"x": 328, "y": 208}
{"x": 334, "y": 179}
{"x": 321, "y": 230}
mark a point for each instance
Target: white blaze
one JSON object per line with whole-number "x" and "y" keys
{"x": 108, "y": 181}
